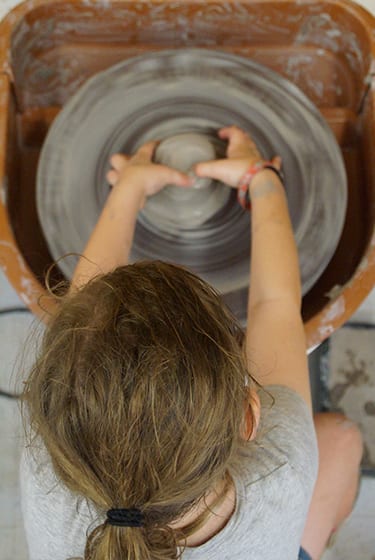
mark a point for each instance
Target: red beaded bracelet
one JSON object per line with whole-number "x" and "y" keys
{"x": 243, "y": 187}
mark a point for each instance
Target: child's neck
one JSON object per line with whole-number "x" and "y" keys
{"x": 216, "y": 520}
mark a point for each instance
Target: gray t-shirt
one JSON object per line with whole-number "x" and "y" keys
{"x": 274, "y": 490}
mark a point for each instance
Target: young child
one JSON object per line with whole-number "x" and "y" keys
{"x": 151, "y": 438}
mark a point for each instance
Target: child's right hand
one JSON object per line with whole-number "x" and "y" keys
{"x": 242, "y": 153}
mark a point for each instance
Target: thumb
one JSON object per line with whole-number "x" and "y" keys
{"x": 174, "y": 177}
{"x": 147, "y": 150}
{"x": 182, "y": 180}
{"x": 215, "y": 169}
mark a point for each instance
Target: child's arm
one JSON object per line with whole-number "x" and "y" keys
{"x": 133, "y": 180}
{"x": 275, "y": 334}
{"x": 276, "y": 342}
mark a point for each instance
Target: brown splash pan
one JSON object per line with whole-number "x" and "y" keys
{"x": 49, "y": 48}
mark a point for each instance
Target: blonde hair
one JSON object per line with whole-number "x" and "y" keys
{"x": 137, "y": 394}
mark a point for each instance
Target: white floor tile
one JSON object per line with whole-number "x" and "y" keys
{"x": 356, "y": 541}
{"x": 366, "y": 312}
{"x": 356, "y": 538}
{"x": 19, "y": 335}
{"x": 368, "y": 4}
{"x": 13, "y": 545}
{"x": 8, "y": 296}
{"x": 366, "y": 500}
{"x": 12, "y": 539}
{"x": 6, "y": 6}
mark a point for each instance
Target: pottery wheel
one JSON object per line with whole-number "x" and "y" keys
{"x": 168, "y": 94}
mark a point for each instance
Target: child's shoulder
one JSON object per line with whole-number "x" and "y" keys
{"x": 286, "y": 437}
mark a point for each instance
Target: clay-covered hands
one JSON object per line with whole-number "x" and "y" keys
{"x": 139, "y": 172}
{"x": 241, "y": 154}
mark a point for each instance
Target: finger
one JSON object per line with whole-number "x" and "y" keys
{"x": 182, "y": 180}
{"x": 118, "y": 161}
{"x": 147, "y": 150}
{"x": 216, "y": 169}
{"x": 231, "y": 133}
{"x": 174, "y": 177}
{"x": 276, "y": 162}
{"x": 238, "y": 141}
{"x": 112, "y": 177}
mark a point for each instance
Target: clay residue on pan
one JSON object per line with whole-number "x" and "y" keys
{"x": 51, "y": 65}
{"x": 322, "y": 29}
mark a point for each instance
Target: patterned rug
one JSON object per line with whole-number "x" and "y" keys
{"x": 348, "y": 382}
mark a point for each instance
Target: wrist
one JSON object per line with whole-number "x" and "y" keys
{"x": 126, "y": 193}
{"x": 263, "y": 176}
{"x": 261, "y": 172}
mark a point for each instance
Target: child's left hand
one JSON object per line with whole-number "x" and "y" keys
{"x": 139, "y": 172}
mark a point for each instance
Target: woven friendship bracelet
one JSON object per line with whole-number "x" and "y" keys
{"x": 243, "y": 196}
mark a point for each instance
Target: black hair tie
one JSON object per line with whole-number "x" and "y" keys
{"x": 125, "y": 517}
